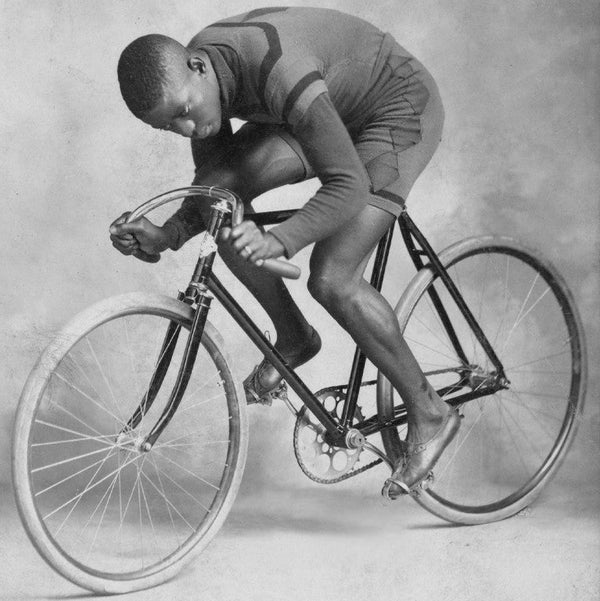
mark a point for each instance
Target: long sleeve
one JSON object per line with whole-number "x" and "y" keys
{"x": 345, "y": 186}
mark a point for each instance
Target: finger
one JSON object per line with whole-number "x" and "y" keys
{"x": 124, "y": 229}
{"x": 146, "y": 257}
{"x": 126, "y": 241}
{"x": 121, "y": 219}
{"x": 246, "y": 252}
{"x": 246, "y": 227}
{"x": 225, "y": 233}
{"x": 249, "y": 239}
{"x": 125, "y": 250}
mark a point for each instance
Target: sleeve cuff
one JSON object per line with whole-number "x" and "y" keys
{"x": 176, "y": 232}
{"x": 290, "y": 248}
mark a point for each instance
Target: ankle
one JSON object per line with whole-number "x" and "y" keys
{"x": 426, "y": 424}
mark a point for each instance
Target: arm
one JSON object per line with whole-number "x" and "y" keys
{"x": 345, "y": 184}
{"x": 187, "y": 221}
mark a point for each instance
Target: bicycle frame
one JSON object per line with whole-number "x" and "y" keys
{"x": 205, "y": 286}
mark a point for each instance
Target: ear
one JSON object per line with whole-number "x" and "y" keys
{"x": 195, "y": 63}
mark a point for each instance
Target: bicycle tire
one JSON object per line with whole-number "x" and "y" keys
{"x": 510, "y": 444}
{"x": 135, "y": 525}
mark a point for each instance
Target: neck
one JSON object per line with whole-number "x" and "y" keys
{"x": 225, "y": 77}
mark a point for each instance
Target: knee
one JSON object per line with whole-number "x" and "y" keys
{"x": 253, "y": 170}
{"x": 330, "y": 288}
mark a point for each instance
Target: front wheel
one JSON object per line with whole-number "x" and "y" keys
{"x": 511, "y": 442}
{"x": 105, "y": 513}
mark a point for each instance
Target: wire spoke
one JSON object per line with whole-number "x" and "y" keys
{"x": 87, "y": 396}
{"x": 85, "y": 469}
{"x": 182, "y": 489}
{"x": 88, "y": 488}
{"x": 77, "y": 419}
{"x": 520, "y": 315}
{"x": 164, "y": 496}
{"x": 545, "y": 358}
{"x": 108, "y": 385}
{"x": 544, "y": 395}
{"x": 519, "y": 403}
{"x": 187, "y": 471}
{"x": 441, "y": 340}
{"x": 75, "y": 458}
{"x": 101, "y": 439}
{"x": 459, "y": 446}
{"x": 430, "y": 348}
{"x": 70, "y": 431}
{"x": 169, "y": 502}
{"x": 70, "y": 512}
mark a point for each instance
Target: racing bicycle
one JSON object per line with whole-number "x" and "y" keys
{"x": 131, "y": 433}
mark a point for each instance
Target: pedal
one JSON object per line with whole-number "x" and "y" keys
{"x": 280, "y": 393}
{"x": 414, "y": 492}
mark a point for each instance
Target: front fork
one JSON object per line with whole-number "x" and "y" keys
{"x": 198, "y": 296}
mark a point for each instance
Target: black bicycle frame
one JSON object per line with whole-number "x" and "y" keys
{"x": 205, "y": 284}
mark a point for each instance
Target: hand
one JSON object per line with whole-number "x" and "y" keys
{"x": 251, "y": 243}
{"x": 140, "y": 238}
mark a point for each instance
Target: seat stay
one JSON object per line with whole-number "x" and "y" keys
{"x": 412, "y": 234}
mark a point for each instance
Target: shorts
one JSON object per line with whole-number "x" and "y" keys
{"x": 395, "y": 147}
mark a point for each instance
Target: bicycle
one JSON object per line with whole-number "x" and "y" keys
{"x": 125, "y": 461}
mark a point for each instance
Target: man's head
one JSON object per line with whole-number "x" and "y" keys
{"x": 169, "y": 87}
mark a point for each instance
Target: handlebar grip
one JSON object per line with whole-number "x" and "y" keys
{"x": 281, "y": 268}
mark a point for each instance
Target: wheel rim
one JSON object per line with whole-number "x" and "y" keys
{"x": 106, "y": 506}
{"x": 509, "y": 442}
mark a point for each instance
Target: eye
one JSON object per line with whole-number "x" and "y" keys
{"x": 184, "y": 112}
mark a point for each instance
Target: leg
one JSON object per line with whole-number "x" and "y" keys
{"x": 337, "y": 282}
{"x": 259, "y": 160}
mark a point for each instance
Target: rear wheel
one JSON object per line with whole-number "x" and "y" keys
{"x": 512, "y": 442}
{"x": 103, "y": 512}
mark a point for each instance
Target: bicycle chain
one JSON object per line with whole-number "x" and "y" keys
{"x": 301, "y": 422}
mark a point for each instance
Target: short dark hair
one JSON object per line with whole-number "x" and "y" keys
{"x": 143, "y": 70}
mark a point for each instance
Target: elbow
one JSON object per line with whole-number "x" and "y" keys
{"x": 357, "y": 191}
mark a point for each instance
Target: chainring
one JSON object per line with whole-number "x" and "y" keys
{"x": 319, "y": 460}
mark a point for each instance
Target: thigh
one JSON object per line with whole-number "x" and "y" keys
{"x": 344, "y": 255}
{"x": 254, "y": 160}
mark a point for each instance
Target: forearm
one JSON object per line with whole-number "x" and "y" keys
{"x": 345, "y": 185}
{"x": 185, "y": 223}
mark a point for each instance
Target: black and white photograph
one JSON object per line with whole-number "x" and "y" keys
{"x": 300, "y": 302}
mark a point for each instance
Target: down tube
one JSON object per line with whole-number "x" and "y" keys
{"x": 273, "y": 356}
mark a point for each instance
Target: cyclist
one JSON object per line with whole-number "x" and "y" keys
{"x": 323, "y": 94}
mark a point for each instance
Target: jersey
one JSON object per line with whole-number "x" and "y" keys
{"x": 327, "y": 76}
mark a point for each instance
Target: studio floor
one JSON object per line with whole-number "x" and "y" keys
{"x": 309, "y": 542}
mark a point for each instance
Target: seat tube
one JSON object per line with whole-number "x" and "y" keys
{"x": 358, "y": 363}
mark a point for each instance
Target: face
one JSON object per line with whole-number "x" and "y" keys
{"x": 191, "y": 104}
